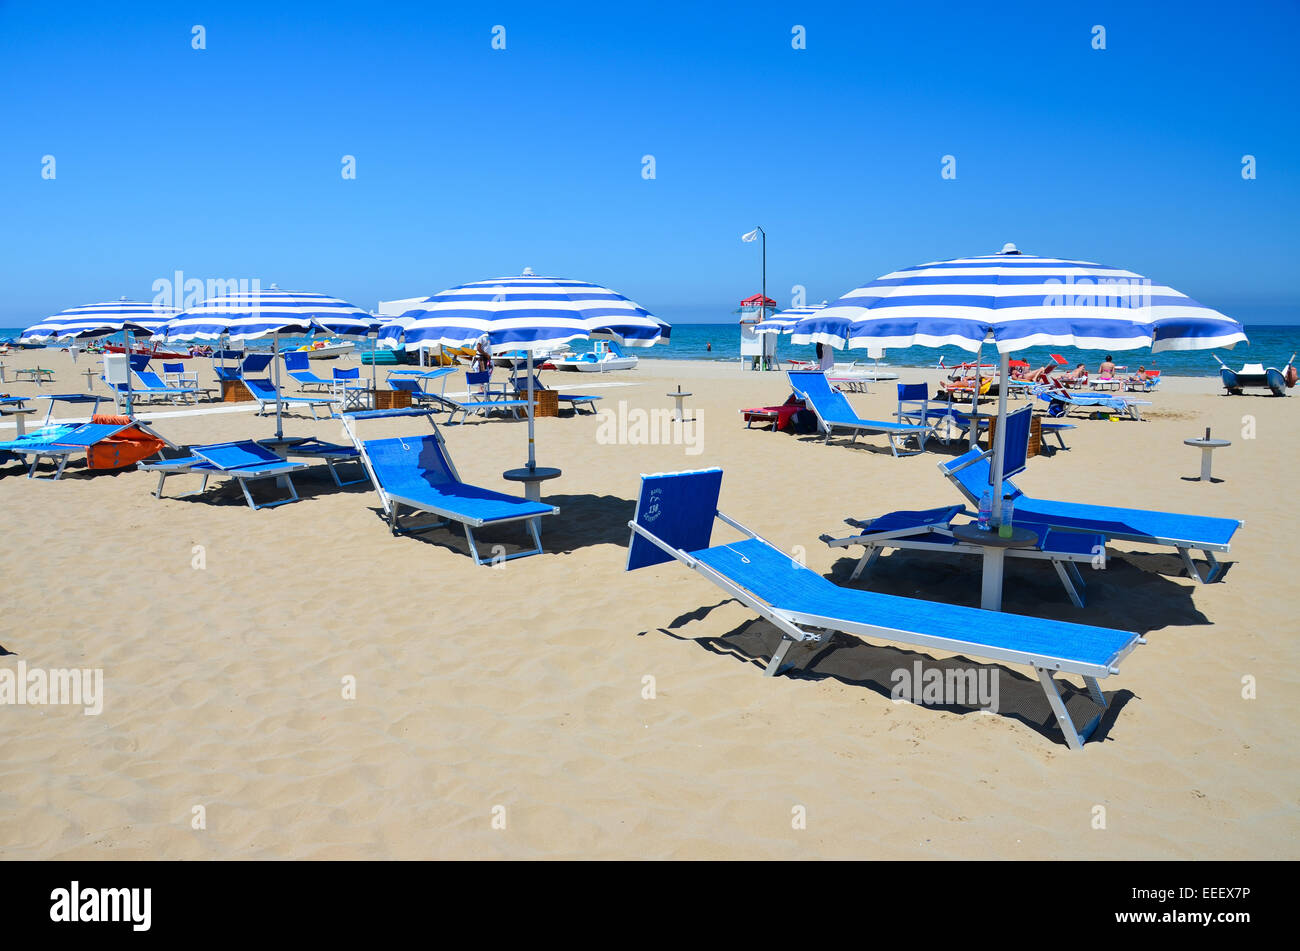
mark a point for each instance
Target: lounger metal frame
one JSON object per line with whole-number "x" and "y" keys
{"x": 171, "y": 467}
{"x": 1065, "y": 563}
{"x": 1184, "y": 546}
{"x": 392, "y": 503}
{"x": 808, "y": 634}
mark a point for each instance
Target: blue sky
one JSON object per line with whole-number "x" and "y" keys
{"x": 473, "y": 163}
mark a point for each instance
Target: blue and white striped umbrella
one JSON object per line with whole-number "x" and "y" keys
{"x": 527, "y": 312}
{"x": 100, "y": 320}
{"x": 250, "y": 315}
{"x": 784, "y": 322}
{"x": 1016, "y": 301}
{"x": 253, "y": 314}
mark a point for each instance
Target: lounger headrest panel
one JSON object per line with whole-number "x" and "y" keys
{"x": 256, "y": 362}
{"x": 295, "y": 360}
{"x": 1016, "y": 448}
{"x": 151, "y": 379}
{"x": 409, "y": 459}
{"x": 678, "y": 508}
{"x": 87, "y": 434}
{"x": 399, "y": 384}
{"x": 895, "y": 521}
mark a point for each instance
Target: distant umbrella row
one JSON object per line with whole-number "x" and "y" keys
{"x": 526, "y": 312}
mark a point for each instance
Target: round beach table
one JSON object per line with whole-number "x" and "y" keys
{"x": 1207, "y": 447}
{"x": 532, "y": 480}
{"x": 995, "y": 553}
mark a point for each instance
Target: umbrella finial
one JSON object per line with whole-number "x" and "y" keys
{"x": 528, "y": 272}
{"x": 1008, "y": 248}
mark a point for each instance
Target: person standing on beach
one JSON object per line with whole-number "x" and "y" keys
{"x": 481, "y": 362}
{"x": 825, "y": 358}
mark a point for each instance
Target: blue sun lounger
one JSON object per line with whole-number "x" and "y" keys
{"x": 970, "y": 473}
{"x": 154, "y": 386}
{"x": 674, "y": 520}
{"x": 416, "y": 472}
{"x": 244, "y": 461}
{"x": 62, "y": 441}
{"x": 263, "y": 390}
{"x": 467, "y": 407}
{"x": 931, "y": 531}
{"x": 296, "y": 364}
{"x": 835, "y": 414}
{"x": 332, "y": 454}
{"x": 519, "y": 380}
{"x": 1059, "y": 403}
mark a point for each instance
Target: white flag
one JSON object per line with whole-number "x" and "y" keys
{"x": 752, "y": 236}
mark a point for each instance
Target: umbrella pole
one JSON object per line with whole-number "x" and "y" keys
{"x": 1000, "y": 440}
{"x": 975, "y": 399}
{"x": 532, "y": 461}
{"x": 275, "y": 358}
{"x": 130, "y": 410}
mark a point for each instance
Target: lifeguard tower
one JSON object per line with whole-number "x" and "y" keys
{"x": 757, "y": 351}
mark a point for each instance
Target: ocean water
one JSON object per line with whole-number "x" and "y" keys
{"x": 1270, "y": 344}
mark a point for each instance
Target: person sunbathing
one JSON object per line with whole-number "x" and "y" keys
{"x": 1041, "y": 375}
{"x": 1078, "y": 375}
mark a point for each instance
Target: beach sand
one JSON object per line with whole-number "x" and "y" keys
{"x": 515, "y": 696}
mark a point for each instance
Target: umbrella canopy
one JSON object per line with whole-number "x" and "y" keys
{"x": 100, "y": 320}
{"x": 1016, "y": 301}
{"x": 252, "y": 315}
{"x": 784, "y": 322}
{"x": 528, "y": 312}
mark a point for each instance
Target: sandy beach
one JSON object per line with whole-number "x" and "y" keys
{"x": 503, "y": 712}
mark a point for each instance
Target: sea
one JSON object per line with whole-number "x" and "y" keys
{"x": 1270, "y": 344}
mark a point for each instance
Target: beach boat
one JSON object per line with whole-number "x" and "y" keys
{"x": 1254, "y": 375}
{"x": 326, "y": 349}
{"x": 153, "y": 351}
{"x": 514, "y": 359}
{"x": 606, "y": 356}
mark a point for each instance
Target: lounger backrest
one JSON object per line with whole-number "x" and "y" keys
{"x": 295, "y": 360}
{"x": 255, "y": 363}
{"x": 409, "y": 459}
{"x": 151, "y": 379}
{"x": 397, "y": 383}
{"x": 87, "y": 434}
{"x": 828, "y": 402}
{"x": 232, "y": 455}
{"x": 972, "y": 472}
{"x": 678, "y": 508}
{"x": 226, "y": 373}
{"x": 139, "y": 361}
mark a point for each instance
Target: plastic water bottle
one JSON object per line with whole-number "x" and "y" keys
{"x": 1004, "y": 528}
{"x": 986, "y": 509}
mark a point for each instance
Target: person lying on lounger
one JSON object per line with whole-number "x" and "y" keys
{"x": 1078, "y": 375}
{"x": 1041, "y": 375}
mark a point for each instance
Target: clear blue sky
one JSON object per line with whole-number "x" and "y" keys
{"x": 474, "y": 162}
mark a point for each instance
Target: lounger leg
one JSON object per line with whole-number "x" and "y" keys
{"x": 1072, "y": 738}
{"x": 535, "y": 529}
{"x": 162, "y": 477}
{"x": 804, "y": 651}
{"x": 1190, "y": 565}
{"x": 1078, "y": 576}
{"x": 867, "y": 560}
{"x": 1213, "y": 564}
{"x": 392, "y": 516}
{"x": 473, "y": 549}
{"x": 1069, "y": 585}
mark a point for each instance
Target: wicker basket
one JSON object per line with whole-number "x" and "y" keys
{"x": 545, "y": 402}
{"x": 234, "y": 391}
{"x": 391, "y": 399}
{"x": 1035, "y": 435}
